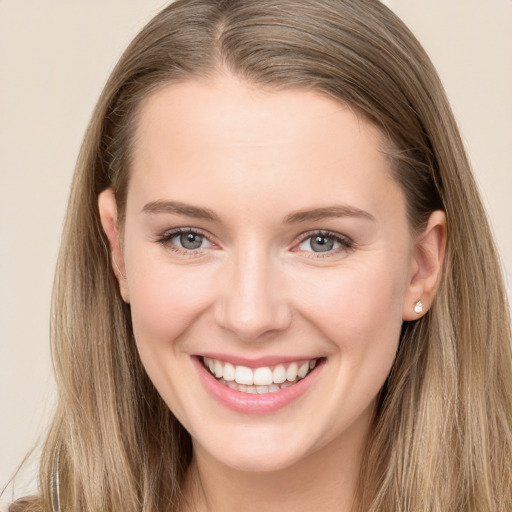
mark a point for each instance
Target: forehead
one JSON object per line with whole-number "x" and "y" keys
{"x": 221, "y": 101}
{"x": 236, "y": 140}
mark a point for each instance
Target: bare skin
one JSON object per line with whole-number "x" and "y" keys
{"x": 263, "y": 225}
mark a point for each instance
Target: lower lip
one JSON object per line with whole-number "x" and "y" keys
{"x": 251, "y": 403}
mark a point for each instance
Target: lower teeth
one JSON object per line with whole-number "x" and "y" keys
{"x": 256, "y": 390}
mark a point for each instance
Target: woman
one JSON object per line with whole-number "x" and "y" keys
{"x": 271, "y": 291}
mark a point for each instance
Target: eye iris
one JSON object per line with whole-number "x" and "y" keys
{"x": 321, "y": 243}
{"x": 191, "y": 240}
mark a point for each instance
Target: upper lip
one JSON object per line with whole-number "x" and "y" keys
{"x": 257, "y": 362}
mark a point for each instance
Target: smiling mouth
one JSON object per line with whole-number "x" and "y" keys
{"x": 262, "y": 380}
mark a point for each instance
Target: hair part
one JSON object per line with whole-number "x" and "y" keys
{"x": 442, "y": 436}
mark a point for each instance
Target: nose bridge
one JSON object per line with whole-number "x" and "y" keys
{"x": 253, "y": 300}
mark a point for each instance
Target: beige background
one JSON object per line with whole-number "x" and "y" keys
{"x": 54, "y": 58}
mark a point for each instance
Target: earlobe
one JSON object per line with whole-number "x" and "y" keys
{"x": 427, "y": 264}
{"x": 108, "y": 215}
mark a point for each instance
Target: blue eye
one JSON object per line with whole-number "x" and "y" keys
{"x": 189, "y": 240}
{"x": 185, "y": 240}
{"x": 324, "y": 243}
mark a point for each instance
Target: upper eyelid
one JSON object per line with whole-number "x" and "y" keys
{"x": 167, "y": 235}
{"x": 171, "y": 233}
{"x": 346, "y": 244}
{"x": 326, "y": 233}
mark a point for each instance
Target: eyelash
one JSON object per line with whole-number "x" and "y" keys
{"x": 166, "y": 238}
{"x": 345, "y": 242}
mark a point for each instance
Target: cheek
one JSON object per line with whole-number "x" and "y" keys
{"x": 165, "y": 301}
{"x": 165, "y": 304}
{"x": 359, "y": 310}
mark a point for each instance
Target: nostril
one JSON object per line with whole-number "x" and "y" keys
{"x": 258, "y": 325}
{"x": 252, "y": 302}
{"x": 252, "y": 320}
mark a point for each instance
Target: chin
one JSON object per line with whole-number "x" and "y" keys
{"x": 259, "y": 453}
{"x": 258, "y": 463}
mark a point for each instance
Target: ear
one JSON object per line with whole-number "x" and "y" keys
{"x": 108, "y": 215}
{"x": 426, "y": 266}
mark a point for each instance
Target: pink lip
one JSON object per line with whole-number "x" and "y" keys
{"x": 255, "y": 404}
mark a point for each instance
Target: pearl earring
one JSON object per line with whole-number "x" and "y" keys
{"x": 418, "y": 307}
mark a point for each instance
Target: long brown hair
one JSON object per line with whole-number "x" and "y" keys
{"x": 442, "y": 438}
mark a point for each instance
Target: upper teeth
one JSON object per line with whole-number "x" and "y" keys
{"x": 263, "y": 376}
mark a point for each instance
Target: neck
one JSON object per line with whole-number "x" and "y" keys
{"x": 324, "y": 480}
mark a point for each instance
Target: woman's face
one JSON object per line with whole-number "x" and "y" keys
{"x": 265, "y": 237}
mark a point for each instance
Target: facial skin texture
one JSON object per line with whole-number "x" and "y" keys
{"x": 256, "y": 288}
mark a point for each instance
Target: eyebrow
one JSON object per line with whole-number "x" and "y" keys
{"x": 178, "y": 208}
{"x": 327, "y": 212}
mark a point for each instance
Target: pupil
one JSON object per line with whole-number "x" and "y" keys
{"x": 322, "y": 244}
{"x": 191, "y": 240}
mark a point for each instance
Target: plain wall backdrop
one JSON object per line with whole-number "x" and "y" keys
{"x": 55, "y": 56}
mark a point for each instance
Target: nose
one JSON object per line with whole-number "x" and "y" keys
{"x": 252, "y": 300}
